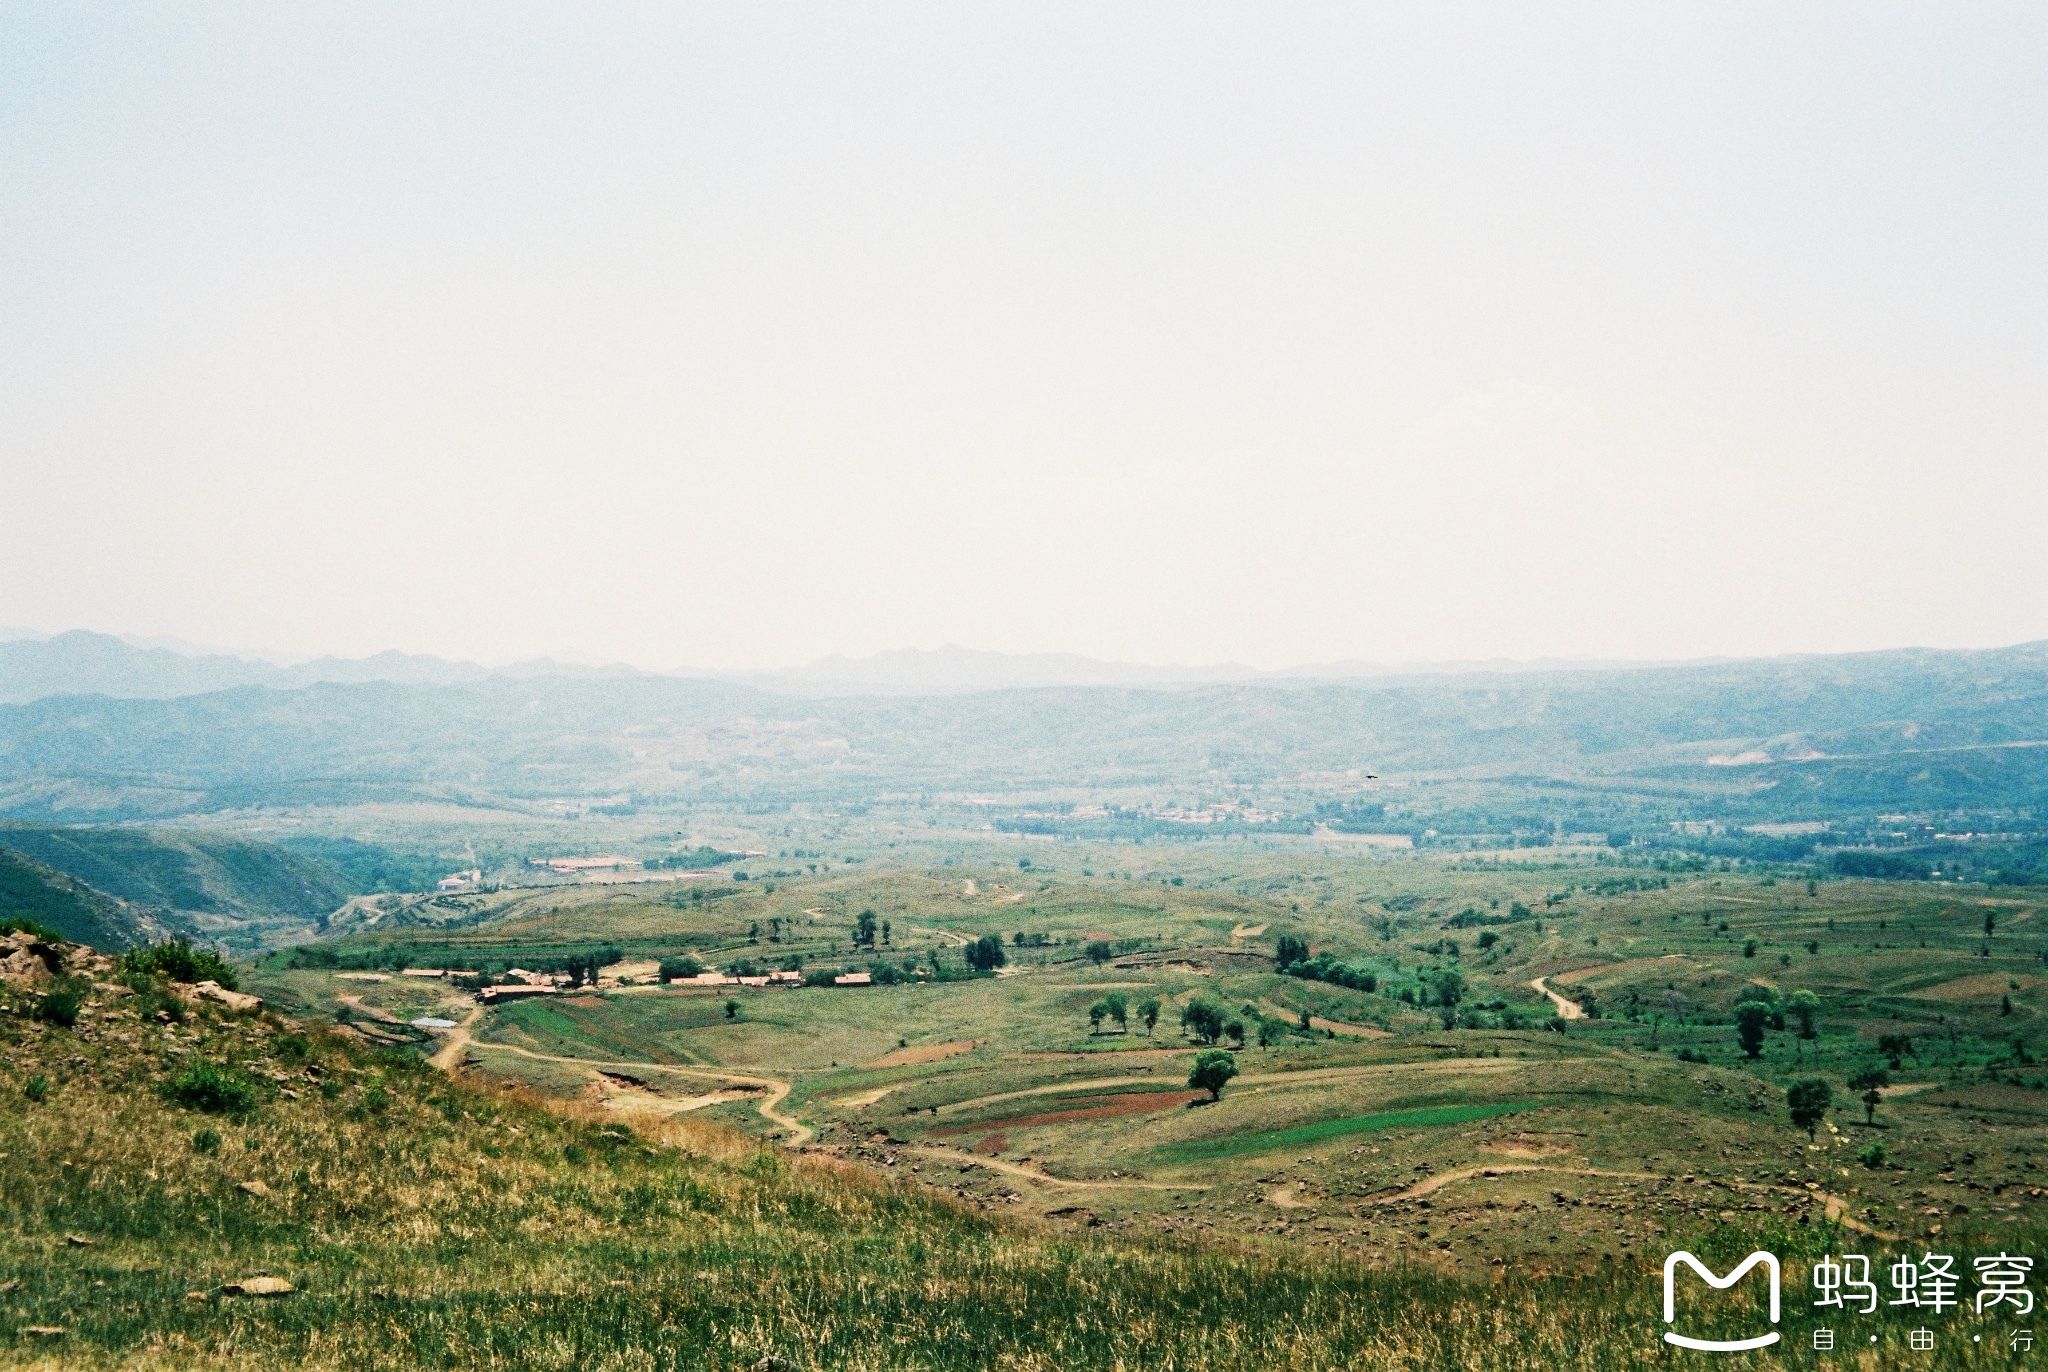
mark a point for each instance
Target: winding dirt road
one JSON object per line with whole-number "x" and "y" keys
{"x": 1030, "y": 1173}
{"x": 768, "y": 1106}
{"x": 1834, "y": 1207}
{"x": 1567, "y": 1008}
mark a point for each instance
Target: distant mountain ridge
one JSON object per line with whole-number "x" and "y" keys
{"x": 63, "y": 760}
{"x": 80, "y": 662}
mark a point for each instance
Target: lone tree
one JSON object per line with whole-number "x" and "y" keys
{"x": 1148, "y": 1012}
{"x": 732, "y": 1009}
{"x": 1750, "y": 1019}
{"x": 1871, "y": 1082}
{"x": 1808, "y": 1101}
{"x": 1291, "y": 948}
{"x": 1119, "y": 1010}
{"x": 1213, "y": 1067}
{"x": 1804, "y": 1008}
{"x": 865, "y": 928}
{"x": 1894, "y": 1047}
{"x": 986, "y": 953}
{"x": 1098, "y": 952}
{"x": 1203, "y": 1018}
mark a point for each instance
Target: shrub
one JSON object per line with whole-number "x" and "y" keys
{"x": 36, "y": 1087}
{"x": 178, "y": 960}
{"x": 15, "y": 924}
{"x": 59, "y": 1007}
{"x": 215, "y": 1090}
{"x": 1871, "y": 1155}
{"x": 206, "y": 1141}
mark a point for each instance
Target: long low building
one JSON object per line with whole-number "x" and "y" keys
{"x": 514, "y": 991}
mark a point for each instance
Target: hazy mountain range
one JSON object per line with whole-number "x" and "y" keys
{"x": 1965, "y": 725}
{"x": 81, "y": 662}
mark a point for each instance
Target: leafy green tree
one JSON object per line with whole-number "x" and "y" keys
{"x": 1804, "y": 1009}
{"x": 986, "y": 953}
{"x": 1234, "y": 1031}
{"x": 865, "y": 928}
{"x": 1148, "y": 1012}
{"x": 1096, "y": 1014}
{"x": 1212, "y": 1070}
{"x": 1870, "y": 1082}
{"x": 1098, "y": 952}
{"x": 1751, "y": 1019}
{"x": 1895, "y": 1047}
{"x": 1118, "y": 1009}
{"x": 1449, "y": 984}
{"x": 1290, "y": 949}
{"x": 732, "y": 1009}
{"x": 1203, "y": 1018}
{"x": 1808, "y": 1102}
{"x": 1272, "y": 1031}
{"x": 679, "y": 969}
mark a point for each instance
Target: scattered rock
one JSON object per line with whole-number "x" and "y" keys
{"x": 197, "y": 1296}
{"x": 78, "y": 1240}
{"x": 235, "y": 1000}
{"x": 258, "y": 1286}
{"x": 44, "y": 1331}
{"x": 254, "y": 1188}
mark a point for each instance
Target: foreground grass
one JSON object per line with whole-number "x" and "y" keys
{"x": 431, "y": 1224}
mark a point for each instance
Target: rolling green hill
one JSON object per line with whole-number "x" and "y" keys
{"x": 34, "y": 891}
{"x": 225, "y": 885}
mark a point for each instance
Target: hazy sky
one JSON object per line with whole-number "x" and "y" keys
{"x": 738, "y": 334}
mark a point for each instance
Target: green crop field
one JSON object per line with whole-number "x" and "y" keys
{"x": 1238, "y": 1145}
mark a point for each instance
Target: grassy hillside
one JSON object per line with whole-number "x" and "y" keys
{"x": 231, "y": 885}
{"x": 32, "y": 891}
{"x": 425, "y": 1222}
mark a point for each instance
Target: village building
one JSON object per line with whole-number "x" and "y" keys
{"x": 573, "y": 866}
{"x": 513, "y": 991}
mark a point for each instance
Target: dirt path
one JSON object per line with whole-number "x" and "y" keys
{"x": 946, "y": 936}
{"x": 1911, "y": 1088}
{"x": 355, "y": 1003}
{"x": 1320, "y": 1076}
{"x": 1567, "y": 1008}
{"x": 1245, "y": 931}
{"x": 768, "y": 1106}
{"x": 448, "y": 1057}
{"x": 866, "y": 1098}
{"x": 1028, "y": 1172}
{"x": 1834, "y": 1207}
